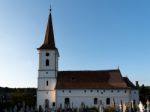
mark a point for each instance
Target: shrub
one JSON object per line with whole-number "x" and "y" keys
{"x": 93, "y": 109}
{"x": 109, "y": 109}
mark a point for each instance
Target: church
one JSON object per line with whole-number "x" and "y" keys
{"x": 73, "y": 89}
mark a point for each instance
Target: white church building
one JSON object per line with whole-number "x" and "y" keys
{"x": 67, "y": 89}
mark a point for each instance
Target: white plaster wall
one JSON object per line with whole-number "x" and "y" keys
{"x": 53, "y": 57}
{"x": 79, "y": 96}
{"x": 135, "y": 95}
{"x": 42, "y": 83}
{"x": 47, "y": 73}
{"x": 43, "y": 95}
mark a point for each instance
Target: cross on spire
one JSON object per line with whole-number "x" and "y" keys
{"x": 50, "y": 9}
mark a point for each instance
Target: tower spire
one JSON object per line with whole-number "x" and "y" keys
{"x": 49, "y": 41}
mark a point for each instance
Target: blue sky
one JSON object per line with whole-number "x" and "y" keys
{"x": 90, "y": 35}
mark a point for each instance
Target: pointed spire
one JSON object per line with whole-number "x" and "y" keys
{"x": 49, "y": 42}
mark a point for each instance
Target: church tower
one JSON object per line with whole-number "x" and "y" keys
{"x": 48, "y": 68}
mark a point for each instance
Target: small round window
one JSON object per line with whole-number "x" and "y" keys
{"x": 47, "y": 54}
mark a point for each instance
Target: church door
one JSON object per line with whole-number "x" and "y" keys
{"x": 67, "y": 103}
{"x": 46, "y": 104}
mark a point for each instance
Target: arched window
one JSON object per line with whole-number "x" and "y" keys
{"x": 47, "y": 83}
{"x": 67, "y": 100}
{"x": 47, "y": 54}
{"x": 53, "y": 104}
{"x": 47, "y": 62}
{"x": 125, "y": 91}
{"x": 108, "y": 101}
{"x": 95, "y": 100}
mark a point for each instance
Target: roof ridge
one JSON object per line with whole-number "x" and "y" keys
{"x": 88, "y": 70}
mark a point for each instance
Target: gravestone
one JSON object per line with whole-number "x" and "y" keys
{"x": 117, "y": 107}
{"x": 21, "y": 109}
{"x": 40, "y": 109}
{"x": 27, "y": 108}
{"x": 148, "y": 106}
{"x": 132, "y": 106}
{"x": 101, "y": 109}
{"x": 141, "y": 107}
{"x": 124, "y": 107}
{"x": 120, "y": 108}
{"x": 100, "y": 106}
{"x": 5, "y": 110}
{"x": 15, "y": 108}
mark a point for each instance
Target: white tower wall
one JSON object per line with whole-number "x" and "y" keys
{"x": 47, "y": 75}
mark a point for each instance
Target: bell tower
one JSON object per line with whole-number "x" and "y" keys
{"x": 48, "y": 68}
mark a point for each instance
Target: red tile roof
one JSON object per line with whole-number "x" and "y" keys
{"x": 104, "y": 79}
{"x": 129, "y": 83}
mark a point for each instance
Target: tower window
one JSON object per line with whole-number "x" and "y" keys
{"x": 67, "y": 100}
{"x": 95, "y": 100}
{"x": 47, "y": 62}
{"x": 47, "y": 54}
{"x": 53, "y": 104}
{"x": 47, "y": 83}
{"x": 125, "y": 91}
{"x": 108, "y": 101}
